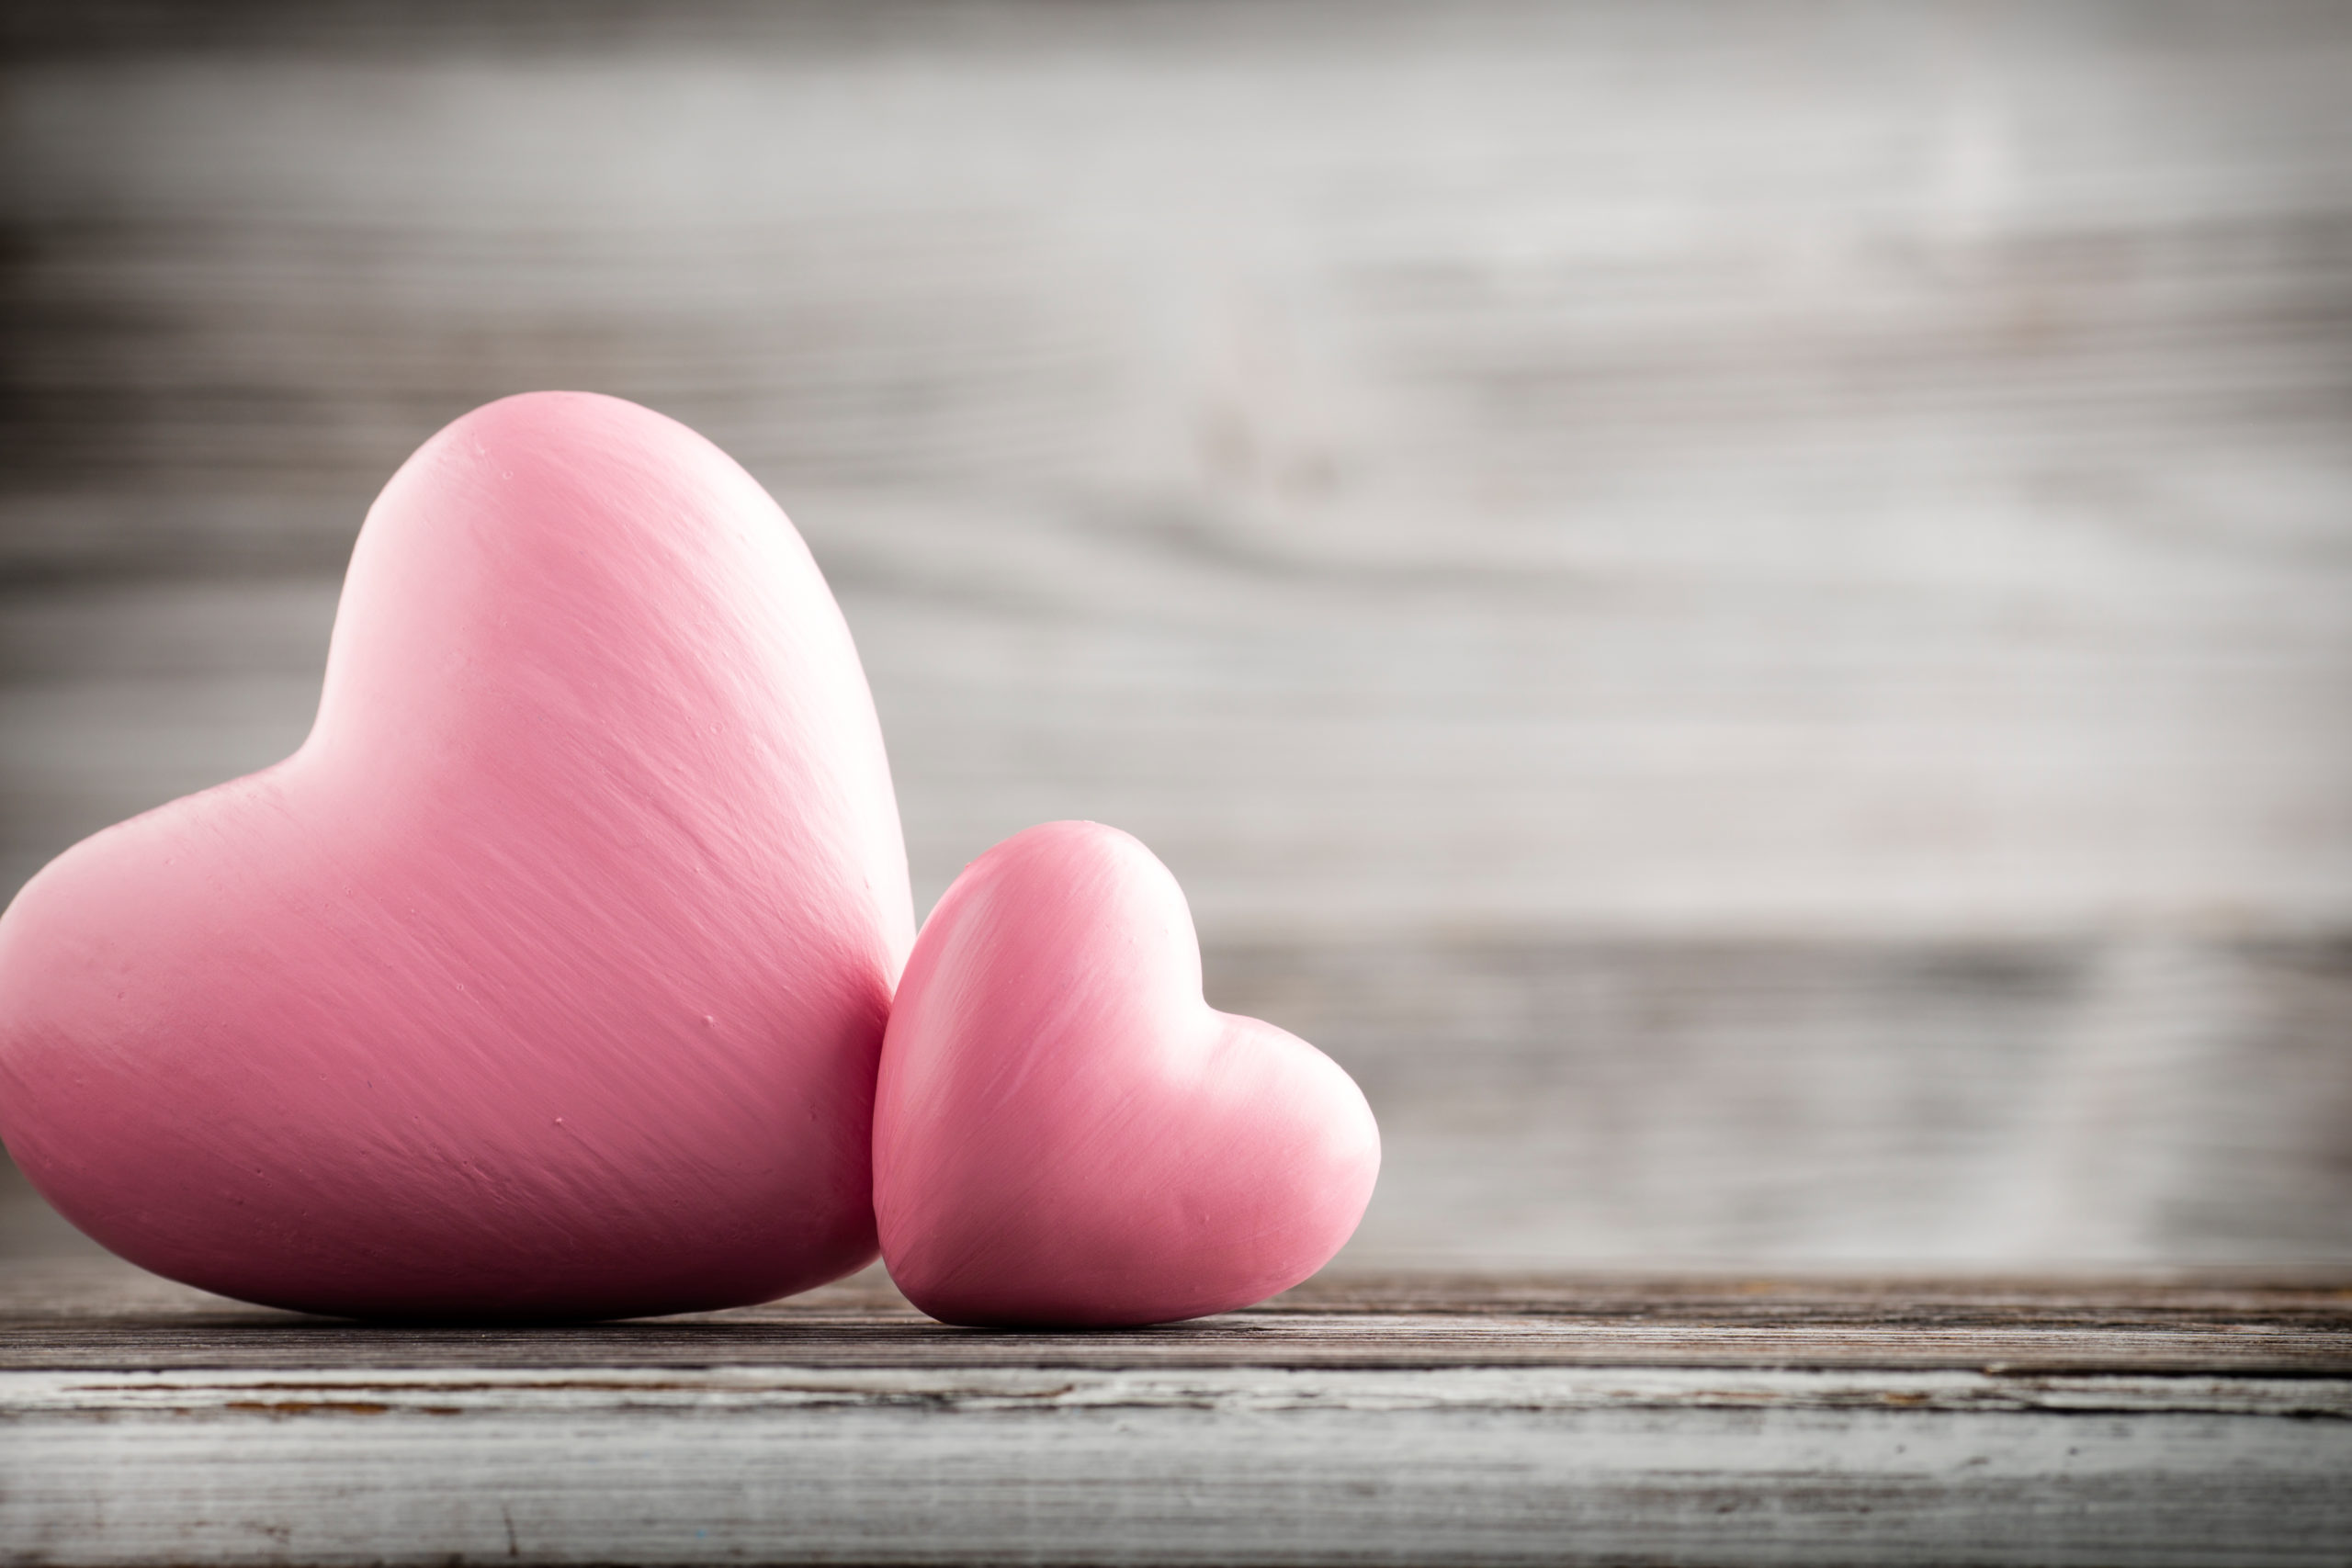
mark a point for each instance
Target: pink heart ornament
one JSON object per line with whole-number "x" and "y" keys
{"x": 1067, "y": 1136}
{"x": 548, "y": 977}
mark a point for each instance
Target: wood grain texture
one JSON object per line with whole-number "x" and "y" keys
{"x": 1415, "y": 1419}
{"x": 1903, "y": 1325}
{"x": 1693, "y": 465}
{"x": 2127, "y": 1101}
{"x": 1745, "y": 609}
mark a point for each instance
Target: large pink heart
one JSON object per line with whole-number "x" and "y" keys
{"x": 1065, "y": 1135}
{"x": 548, "y": 976}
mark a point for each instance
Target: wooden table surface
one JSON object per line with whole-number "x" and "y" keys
{"x": 1409, "y": 1419}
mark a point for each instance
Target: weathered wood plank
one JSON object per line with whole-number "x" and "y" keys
{"x": 104, "y": 1317}
{"x": 2026, "y": 1102}
{"x": 1692, "y": 467}
{"x": 1250, "y": 1467}
{"x": 1495, "y": 1420}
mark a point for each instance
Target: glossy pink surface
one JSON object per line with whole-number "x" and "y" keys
{"x": 1067, "y": 1136}
{"x": 548, "y": 976}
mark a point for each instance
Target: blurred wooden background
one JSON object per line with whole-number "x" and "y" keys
{"x": 1746, "y": 609}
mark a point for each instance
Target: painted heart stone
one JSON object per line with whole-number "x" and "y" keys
{"x": 548, "y": 978}
{"x": 1067, "y": 1136}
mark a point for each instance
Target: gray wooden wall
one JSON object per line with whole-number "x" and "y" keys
{"x": 1746, "y": 609}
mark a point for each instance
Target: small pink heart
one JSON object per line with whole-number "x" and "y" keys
{"x": 1065, "y": 1134}
{"x": 548, "y": 977}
